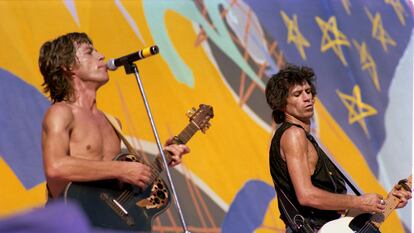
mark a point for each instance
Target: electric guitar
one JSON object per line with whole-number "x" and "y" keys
{"x": 122, "y": 206}
{"x": 366, "y": 223}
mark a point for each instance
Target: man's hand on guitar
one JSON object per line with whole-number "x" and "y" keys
{"x": 401, "y": 194}
{"x": 136, "y": 173}
{"x": 177, "y": 151}
{"x": 372, "y": 203}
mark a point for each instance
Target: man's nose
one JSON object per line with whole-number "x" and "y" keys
{"x": 307, "y": 96}
{"x": 101, "y": 56}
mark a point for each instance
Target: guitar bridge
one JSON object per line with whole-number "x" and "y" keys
{"x": 117, "y": 208}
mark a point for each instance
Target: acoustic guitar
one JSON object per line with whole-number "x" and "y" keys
{"x": 366, "y": 223}
{"x": 116, "y": 205}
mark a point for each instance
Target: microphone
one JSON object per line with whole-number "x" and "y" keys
{"x": 113, "y": 64}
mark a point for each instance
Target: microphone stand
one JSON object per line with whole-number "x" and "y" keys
{"x": 132, "y": 68}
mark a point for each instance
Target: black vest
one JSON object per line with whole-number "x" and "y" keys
{"x": 324, "y": 177}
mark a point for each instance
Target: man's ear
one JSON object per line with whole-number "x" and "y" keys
{"x": 67, "y": 70}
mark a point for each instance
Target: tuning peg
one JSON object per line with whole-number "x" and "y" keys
{"x": 190, "y": 112}
{"x": 206, "y": 127}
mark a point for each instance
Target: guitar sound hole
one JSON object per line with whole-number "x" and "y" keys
{"x": 157, "y": 200}
{"x": 160, "y": 186}
{"x": 161, "y": 195}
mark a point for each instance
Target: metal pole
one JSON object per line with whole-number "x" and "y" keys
{"x": 157, "y": 139}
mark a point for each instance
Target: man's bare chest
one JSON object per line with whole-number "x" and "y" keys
{"x": 312, "y": 157}
{"x": 93, "y": 137}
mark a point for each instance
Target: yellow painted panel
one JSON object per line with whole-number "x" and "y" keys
{"x": 14, "y": 197}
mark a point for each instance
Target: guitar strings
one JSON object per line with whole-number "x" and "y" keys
{"x": 367, "y": 228}
{"x": 156, "y": 165}
{"x": 184, "y": 136}
{"x": 125, "y": 196}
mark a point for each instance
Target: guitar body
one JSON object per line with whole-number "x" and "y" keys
{"x": 121, "y": 206}
{"x": 115, "y": 205}
{"x": 360, "y": 224}
{"x": 340, "y": 225}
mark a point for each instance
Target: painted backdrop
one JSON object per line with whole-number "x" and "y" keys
{"x": 222, "y": 53}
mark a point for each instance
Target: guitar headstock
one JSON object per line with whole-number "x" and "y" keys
{"x": 201, "y": 116}
{"x": 406, "y": 183}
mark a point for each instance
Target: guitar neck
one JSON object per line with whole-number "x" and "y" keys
{"x": 391, "y": 204}
{"x": 157, "y": 166}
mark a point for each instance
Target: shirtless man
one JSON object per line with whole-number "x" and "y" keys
{"x": 78, "y": 142}
{"x": 298, "y": 166}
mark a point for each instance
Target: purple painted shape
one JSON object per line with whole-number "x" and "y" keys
{"x": 21, "y": 111}
{"x": 55, "y": 217}
{"x": 248, "y": 209}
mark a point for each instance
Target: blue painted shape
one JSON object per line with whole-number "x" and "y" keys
{"x": 248, "y": 208}
{"x": 331, "y": 74}
{"x": 21, "y": 112}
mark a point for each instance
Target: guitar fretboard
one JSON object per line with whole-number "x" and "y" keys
{"x": 391, "y": 203}
{"x": 157, "y": 166}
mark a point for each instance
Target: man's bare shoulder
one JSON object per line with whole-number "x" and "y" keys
{"x": 58, "y": 115}
{"x": 294, "y": 132}
{"x": 293, "y": 140}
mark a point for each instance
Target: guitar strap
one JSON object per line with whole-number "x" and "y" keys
{"x": 354, "y": 189}
{"x": 296, "y": 221}
{"x": 315, "y": 143}
{"x": 118, "y": 130}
